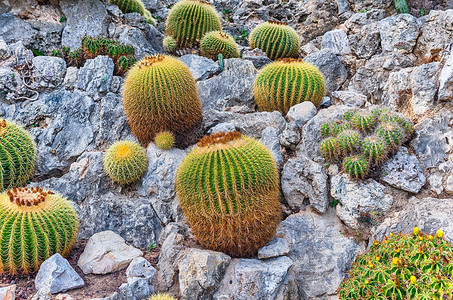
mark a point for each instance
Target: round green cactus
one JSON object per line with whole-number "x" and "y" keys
{"x": 17, "y": 155}
{"x": 164, "y": 140}
{"x": 277, "y": 39}
{"x": 215, "y": 42}
{"x": 402, "y": 266}
{"x": 169, "y": 44}
{"x": 330, "y": 149}
{"x": 189, "y": 20}
{"x": 356, "y": 166}
{"x": 129, "y": 6}
{"x": 374, "y": 149}
{"x": 228, "y": 190}
{"x": 347, "y": 116}
{"x": 125, "y": 162}
{"x": 287, "y": 82}
{"x": 161, "y": 297}
{"x": 160, "y": 94}
{"x": 391, "y": 133}
{"x": 35, "y": 224}
{"x": 349, "y": 141}
{"x": 378, "y": 111}
{"x": 363, "y": 121}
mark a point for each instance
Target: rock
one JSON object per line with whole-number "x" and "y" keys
{"x": 439, "y": 178}
{"x": 200, "y": 272}
{"x": 145, "y": 42}
{"x": 14, "y": 29}
{"x": 96, "y": 76}
{"x": 343, "y": 6}
{"x": 337, "y": 41}
{"x": 140, "y": 275}
{"x": 449, "y": 185}
{"x": 8, "y": 292}
{"x": 84, "y": 17}
{"x": 42, "y": 295}
{"x": 222, "y": 127}
{"x": 48, "y": 71}
{"x": 331, "y": 67}
{"x": 168, "y": 261}
{"x": 257, "y": 57}
{"x": 21, "y": 54}
{"x": 404, "y": 172}
{"x": 290, "y": 137}
{"x": 63, "y": 297}
{"x": 355, "y": 22}
{"x": 367, "y": 42}
{"x": 141, "y": 268}
{"x": 70, "y": 80}
{"x": 320, "y": 236}
{"x": 357, "y": 197}
{"x": 301, "y": 113}
{"x": 364, "y": 5}
{"x": 304, "y": 180}
{"x": 349, "y": 98}
{"x": 234, "y": 86}
{"x": 274, "y": 248}
{"x": 428, "y": 214}
{"x": 271, "y": 139}
{"x": 5, "y": 52}
{"x": 445, "y": 80}
{"x": 56, "y": 275}
{"x": 106, "y": 252}
{"x": 254, "y": 279}
{"x": 201, "y": 67}
{"x": 308, "y": 49}
{"x": 399, "y": 32}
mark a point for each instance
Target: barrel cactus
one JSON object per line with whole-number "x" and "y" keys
{"x": 164, "y": 140}
{"x": 277, "y": 39}
{"x": 36, "y": 224}
{"x": 391, "y": 133}
{"x": 287, "y": 82}
{"x": 170, "y": 44}
{"x": 228, "y": 190}
{"x": 129, "y": 6}
{"x": 160, "y": 94}
{"x": 215, "y": 42}
{"x": 374, "y": 149}
{"x": 330, "y": 149}
{"x": 363, "y": 120}
{"x": 189, "y": 20}
{"x": 356, "y": 166}
{"x": 17, "y": 155}
{"x": 349, "y": 141}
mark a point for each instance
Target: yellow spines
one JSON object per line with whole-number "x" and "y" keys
{"x": 215, "y": 42}
{"x": 164, "y": 140}
{"x": 161, "y": 297}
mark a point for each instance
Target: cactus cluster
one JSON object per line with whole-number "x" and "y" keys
{"x": 125, "y": 162}
{"x": 17, "y": 155}
{"x": 277, "y": 39}
{"x": 160, "y": 94}
{"x": 402, "y": 266}
{"x": 364, "y": 139}
{"x": 228, "y": 189}
{"x": 129, "y": 6}
{"x": 215, "y": 42}
{"x": 36, "y": 224}
{"x": 287, "y": 82}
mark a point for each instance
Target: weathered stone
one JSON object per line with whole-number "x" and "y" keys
{"x": 201, "y": 67}
{"x": 276, "y": 247}
{"x": 222, "y": 127}
{"x": 363, "y": 5}
{"x": 446, "y": 80}
{"x": 257, "y": 57}
{"x": 5, "y": 52}
{"x": 42, "y": 295}
{"x": 301, "y": 113}
{"x": 140, "y": 267}
{"x": 8, "y": 292}
{"x": 48, "y": 71}
{"x": 290, "y": 136}
{"x": 349, "y": 98}
{"x": 96, "y": 76}
{"x": 145, "y": 42}
{"x": 168, "y": 261}
{"x": 14, "y": 29}
{"x": 337, "y": 41}
{"x": 70, "y": 79}
{"x": 399, "y": 32}
{"x": 367, "y": 42}
{"x": 271, "y": 139}
{"x": 355, "y": 22}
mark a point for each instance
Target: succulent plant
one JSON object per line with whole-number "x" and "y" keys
{"x": 17, "y": 155}
{"x": 402, "y": 266}
{"x": 374, "y": 149}
{"x": 36, "y": 224}
{"x": 334, "y": 128}
{"x": 125, "y": 162}
{"x": 228, "y": 190}
{"x": 378, "y": 111}
{"x": 347, "y": 116}
{"x": 215, "y": 42}
{"x": 125, "y": 62}
{"x": 161, "y": 297}
{"x": 129, "y": 6}
{"x": 356, "y": 166}
{"x": 160, "y": 94}
{"x": 391, "y": 133}
{"x": 287, "y": 82}
{"x": 189, "y": 20}
{"x": 330, "y": 149}
{"x": 277, "y": 39}
{"x": 164, "y": 140}
{"x": 363, "y": 120}
{"x": 170, "y": 44}
{"x": 349, "y": 141}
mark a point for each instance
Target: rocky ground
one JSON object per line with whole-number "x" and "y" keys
{"x": 368, "y": 55}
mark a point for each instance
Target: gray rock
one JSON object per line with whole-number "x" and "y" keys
{"x": 70, "y": 79}
{"x": 343, "y": 6}
{"x": 337, "y": 41}
{"x": 304, "y": 179}
{"x": 56, "y": 275}
{"x": 21, "y": 54}
{"x": 84, "y": 17}
{"x": 42, "y": 295}
{"x": 301, "y": 113}
{"x": 357, "y": 197}
{"x": 48, "y": 71}
{"x": 349, "y": 98}
{"x": 14, "y": 29}
{"x": 169, "y": 258}
{"x": 331, "y": 67}
{"x": 308, "y": 49}
{"x": 141, "y": 268}
{"x": 5, "y": 52}
{"x": 96, "y": 76}
{"x": 445, "y": 80}
{"x": 257, "y": 57}
{"x": 355, "y": 22}
{"x": 290, "y": 137}
{"x": 201, "y": 67}
{"x": 399, "y": 32}
{"x": 364, "y": 5}
{"x": 404, "y": 172}
{"x": 8, "y": 292}
{"x": 222, "y": 127}
{"x": 439, "y": 178}
{"x": 234, "y": 86}
{"x": 271, "y": 139}
{"x": 449, "y": 185}
{"x": 367, "y": 42}
{"x": 48, "y": 30}
{"x": 276, "y": 247}
{"x": 146, "y": 42}
{"x": 200, "y": 272}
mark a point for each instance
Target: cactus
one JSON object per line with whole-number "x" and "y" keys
{"x": 378, "y": 111}
{"x": 356, "y": 166}
{"x": 391, "y": 133}
{"x": 287, "y": 82}
{"x": 402, "y": 266}
{"x": 170, "y": 44}
{"x": 363, "y": 121}
{"x": 401, "y": 7}
{"x": 125, "y": 62}
{"x": 215, "y": 42}
{"x": 35, "y": 224}
{"x": 374, "y": 149}
{"x": 161, "y": 297}
{"x": 17, "y": 155}
{"x": 406, "y": 124}
{"x": 349, "y": 141}
{"x": 334, "y": 128}
{"x": 129, "y": 6}
{"x": 164, "y": 140}
{"x": 330, "y": 149}
{"x": 228, "y": 190}
{"x": 189, "y": 20}
{"x": 277, "y": 39}
{"x": 160, "y": 94}
{"x": 125, "y": 162}
{"x": 347, "y": 116}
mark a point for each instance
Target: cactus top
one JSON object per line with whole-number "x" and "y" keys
{"x": 28, "y": 196}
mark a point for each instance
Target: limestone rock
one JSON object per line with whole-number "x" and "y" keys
{"x": 349, "y": 98}
{"x": 399, "y": 32}
{"x": 48, "y": 71}
{"x": 301, "y": 113}
{"x": 337, "y": 41}
{"x": 201, "y": 67}
{"x": 276, "y": 247}
{"x": 96, "y": 76}
{"x": 446, "y": 80}
{"x": 270, "y": 138}
{"x": 8, "y": 292}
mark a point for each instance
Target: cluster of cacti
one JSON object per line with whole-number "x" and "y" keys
{"x": 364, "y": 139}
{"x": 228, "y": 190}
{"x": 215, "y": 42}
{"x": 125, "y": 162}
{"x": 17, "y": 155}
{"x": 287, "y": 82}
{"x": 276, "y": 39}
{"x": 160, "y": 94}
{"x": 402, "y": 266}
{"x": 165, "y": 140}
{"x": 189, "y": 20}
{"x": 35, "y": 224}
{"x": 129, "y": 6}
{"x": 161, "y": 297}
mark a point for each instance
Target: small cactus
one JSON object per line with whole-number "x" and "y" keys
{"x": 215, "y": 42}
{"x": 363, "y": 121}
{"x": 129, "y": 6}
{"x": 125, "y": 162}
{"x": 161, "y": 297}
{"x": 277, "y": 39}
{"x": 164, "y": 140}
{"x": 330, "y": 149}
{"x": 378, "y": 111}
{"x": 374, "y": 149}
{"x": 347, "y": 116}
{"x": 391, "y": 133}
{"x": 349, "y": 141}
{"x": 36, "y": 224}
{"x": 170, "y": 44}
{"x": 356, "y": 166}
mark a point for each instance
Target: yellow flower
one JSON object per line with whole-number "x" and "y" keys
{"x": 378, "y": 258}
{"x": 431, "y": 237}
{"x": 376, "y": 243}
{"x": 397, "y": 250}
{"x": 386, "y": 241}
{"x": 413, "y": 279}
{"x": 416, "y": 230}
{"x": 420, "y": 238}
{"x": 395, "y": 260}
{"x": 367, "y": 281}
{"x": 440, "y": 233}
{"x": 391, "y": 234}
{"x": 370, "y": 265}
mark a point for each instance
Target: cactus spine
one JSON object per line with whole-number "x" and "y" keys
{"x": 164, "y": 140}
{"x": 228, "y": 189}
{"x": 160, "y": 94}
{"x": 189, "y": 20}
{"x": 169, "y": 44}
{"x": 17, "y": 155}
{"x": 129, "y": 6}
{"x": 363, "y": 121}
{"x": 35, "y": 224}
{"x": 215, "y": 42}
{"x": 349, "y": 141}
{"x": 287, "y": 82}
{"x": 356, "y": 166}
{"x": 374, "y": 149}
{"x": 277, "y": 39}
{"x": 391, "y": 133}
{"x": 330, "y": 149}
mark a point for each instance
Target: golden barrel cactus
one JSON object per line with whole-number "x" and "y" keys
{"x": 216, "y": 42}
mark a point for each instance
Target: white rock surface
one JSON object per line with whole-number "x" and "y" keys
{"x": 446, "y": 80}
{"x": 8, "y": 292}
{"x": 337, "y": 41}
{"x": 274, "y": 248}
